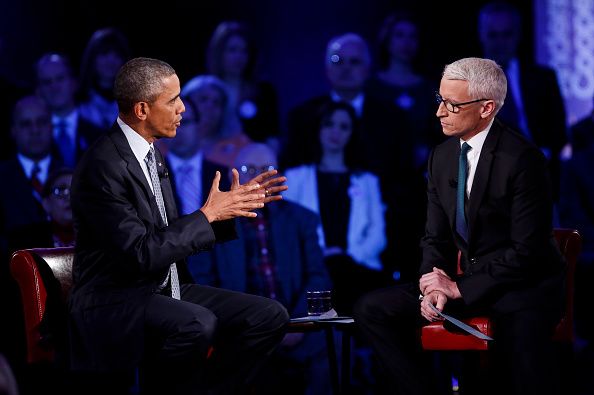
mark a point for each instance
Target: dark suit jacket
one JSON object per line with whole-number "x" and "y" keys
{"x": 86, "y": 134}
{"x": 511, "y": 261}
{"x": 123, "y": 251}
{"x": 296, "y": 253}
{"x": 541, "y": 95}
{"x": 18, "y": 205}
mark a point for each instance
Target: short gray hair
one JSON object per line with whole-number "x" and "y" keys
{"x": 485, "y": 78}
{"x": 140, "y": 79}
{"x": 337, "y": 42}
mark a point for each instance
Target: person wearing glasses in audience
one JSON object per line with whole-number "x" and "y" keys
{"x": 276, "y": 255}
{"x": 489, "y": 199}
{"x": 58, "y": 230}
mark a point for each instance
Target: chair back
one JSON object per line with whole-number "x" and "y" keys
{"x": 44, "y": 276}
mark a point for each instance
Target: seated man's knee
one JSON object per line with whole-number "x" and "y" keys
{"x": 197, "y": 334}
{"x": 271, "y": 314}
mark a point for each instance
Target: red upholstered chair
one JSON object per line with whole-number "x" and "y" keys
{"x": 435, "y": 336}
{"x": 44, "y": 276}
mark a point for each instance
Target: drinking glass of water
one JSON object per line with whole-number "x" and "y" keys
{"x": 318, "y": 302}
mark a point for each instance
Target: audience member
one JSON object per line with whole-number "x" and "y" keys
{"x": 349, "y": 202}
{"x": 27, "y": 171}
{"x": 105, "y": 53}
{"x": 219, "y": 127}
{"x": 190, "y": 172}
{"x": 57, "y": 86}
{"x": 386, "y": 145}
{"x": 57, "y": 230}
{"x": 400, "y": 81}
{"x": 489, "y": 200}
{"x": 232, "y": 57}
{"x": 276, "y": 255}
{"x": 532, "y": 89}
{"x": 24, "y": 176}
{"x": 132, "y": 302}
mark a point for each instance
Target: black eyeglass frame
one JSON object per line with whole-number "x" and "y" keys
{"x": 455, "y": 107}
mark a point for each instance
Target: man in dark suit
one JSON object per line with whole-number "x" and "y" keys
{"x": 131, "y": 304}
{"x": 26, "y": 172}
{"x": 57, "y": 86}
{"x": 190, "y": 172}
{"x": 533, "y": 89}
{"x": 498, "y": 216}
{"x": 23, "y": 177}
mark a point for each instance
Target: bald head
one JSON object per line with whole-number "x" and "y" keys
{"x": 56, "y": 84}
{"x": 253, "y": 159}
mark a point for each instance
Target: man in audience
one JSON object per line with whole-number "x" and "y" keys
{"x": 277, "y": 255}
{"x": 57, "y": 86}
{"x": 532, "y": 89}
{"x": 23, "y": 177}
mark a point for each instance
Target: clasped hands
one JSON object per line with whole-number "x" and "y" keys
{"x": 242, "y": 199}
{"x": 436, "y": 287}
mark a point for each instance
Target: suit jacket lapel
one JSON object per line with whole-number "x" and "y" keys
{"x": 119, "y": 139}
{"x": 482, "y": 174}
{"x": 168, "y": 197}
{"x": 451, "y": 169}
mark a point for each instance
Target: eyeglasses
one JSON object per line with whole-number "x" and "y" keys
{"x": 453, "y": 107}
{"x": 252, "y": 170}
{"x": 61, "y": 192}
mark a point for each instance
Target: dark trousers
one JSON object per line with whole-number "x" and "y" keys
{"x": 523, "y": 357}
{"x": 242, "y": 329}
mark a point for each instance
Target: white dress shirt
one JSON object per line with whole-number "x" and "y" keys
{"x": 476, "y": 142}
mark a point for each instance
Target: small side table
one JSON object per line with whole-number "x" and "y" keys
{"x": 340, "y": 381}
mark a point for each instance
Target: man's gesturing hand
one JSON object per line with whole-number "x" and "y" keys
{"x": 241, "y": 200}
{"x": 269, "y": 185}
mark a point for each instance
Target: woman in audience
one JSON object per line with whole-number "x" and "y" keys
{"x": 349, "y": 203}
{"x": 232, "y": 57}
{"x": 106, "y": 52}
{"x": 218, "y": 125}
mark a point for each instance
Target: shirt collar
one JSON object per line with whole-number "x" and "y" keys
{"x": 176, "y": 162}
{"x": 477, "y": 141}
{"x": 28, "y": 163}
{"x": 70, "y": 120}
{"x": 357, "y": 102}
{"x": 140, "y": 147}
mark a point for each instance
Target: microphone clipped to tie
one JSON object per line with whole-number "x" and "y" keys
{"x": 162, "y": 171}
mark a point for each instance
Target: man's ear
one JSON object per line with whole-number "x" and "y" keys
{"x": 141, "y": 110}
{"x": 488, "y": 108}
